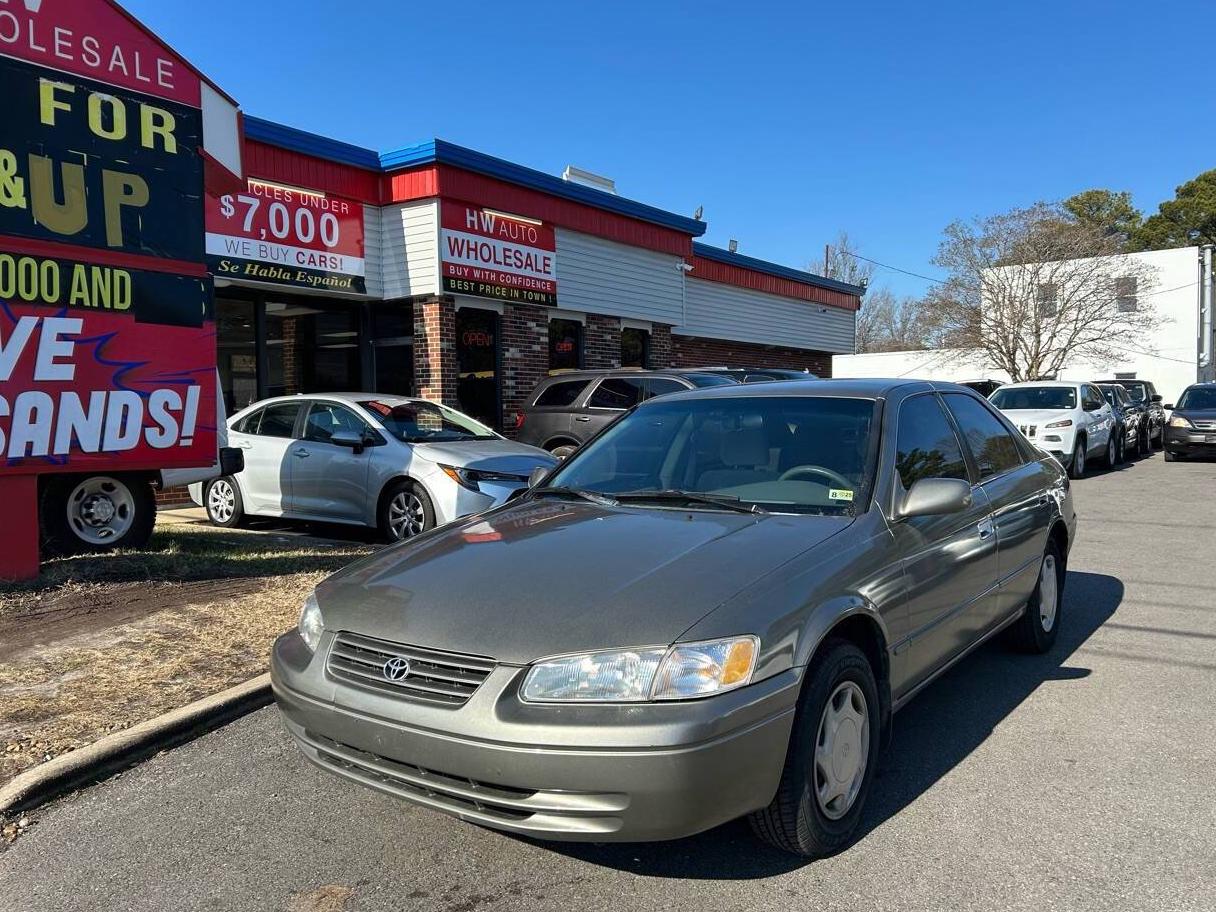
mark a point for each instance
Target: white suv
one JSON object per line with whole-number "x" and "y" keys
{"x": 1070, "y": 420}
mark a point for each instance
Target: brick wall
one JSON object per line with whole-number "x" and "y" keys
{"x": 174, "y": 497}
{"x": 661, "y": 352}
{"x": 524, "y": 340}
{"x": 601, "y": 342}
{"x": 693, "y": 351}
{"x": 435, "y": 350}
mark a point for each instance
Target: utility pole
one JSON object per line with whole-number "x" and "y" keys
{"x": 827, "y": 257}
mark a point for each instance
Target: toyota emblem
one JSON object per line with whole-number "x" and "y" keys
{"x": 396, "y": 668}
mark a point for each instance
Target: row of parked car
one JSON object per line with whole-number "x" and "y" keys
{"x": 404, "y": 465}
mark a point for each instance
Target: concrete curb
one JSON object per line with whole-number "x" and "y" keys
{"x": 125, "y": 748}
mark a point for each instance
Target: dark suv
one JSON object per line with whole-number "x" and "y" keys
{"x": 1146, "y": 394}
{"x": 567, "y": 409}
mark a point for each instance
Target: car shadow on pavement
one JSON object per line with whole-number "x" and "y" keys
{"x": 936, "y": 732}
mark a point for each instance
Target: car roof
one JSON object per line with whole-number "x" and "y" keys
{"x": 1030, "y": 384}
{"x": 850, "y": 388}
{"x": 352, "y": 398}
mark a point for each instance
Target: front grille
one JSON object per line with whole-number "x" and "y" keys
{"x": 433, "y": 676}
{"x": 1204, "y": 425}
{"x": 1028, "y": 430}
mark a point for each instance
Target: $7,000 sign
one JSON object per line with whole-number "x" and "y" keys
{"x": 287, "y": 236}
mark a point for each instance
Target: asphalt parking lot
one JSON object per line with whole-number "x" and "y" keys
{"x": 1077, "y": 780}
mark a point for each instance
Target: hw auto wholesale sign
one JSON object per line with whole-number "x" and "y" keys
{"x": 107, "y": 348}
{"x": 287, "y": 236}
{"x": 490, "y": 255}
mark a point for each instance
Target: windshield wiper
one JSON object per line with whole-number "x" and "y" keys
{"x": 594, "y": 496}
{"x": 671, "y": 495}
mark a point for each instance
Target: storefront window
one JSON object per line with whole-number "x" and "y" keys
{"x": 565, "y": 345}
{"x": 392, "y": 327}
{"x": 477, "y": 364}
{"x": 311, "y": 346}
{"x": 635, "y": 347}
{"x": 237, "y": 352}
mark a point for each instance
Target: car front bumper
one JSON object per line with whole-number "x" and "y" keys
{"x": 1189, "y": 442}
{"x": 625, "y": 772}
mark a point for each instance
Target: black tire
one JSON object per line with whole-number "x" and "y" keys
{"x": 1029, "y": 633}
{"x": 1144, "y": 442}
{"x": 561, "y": 450}
{"x": 794, "y": 821}
{"x": 1170, "y": 457}
{"x": 1159, "y": 443}
{"x": 412, "y": 497}
{"x": 223, "y": 503}
{"x": 73, "y": 508}
{"x": 1076, "y": 467}
{"x": 1110, "y": 458}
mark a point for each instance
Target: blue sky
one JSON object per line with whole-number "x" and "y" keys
{"x": 786, "y": 121}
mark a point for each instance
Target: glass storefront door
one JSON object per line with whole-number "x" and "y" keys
{"x": 236, "y": 352}
{"x": 477, "y": 364}
{"x": 311, "y": 346}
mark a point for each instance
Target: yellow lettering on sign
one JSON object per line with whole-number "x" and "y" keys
{"x": 118, "y": 114}
{"x": 119, "y": 190}
{"x": 154, "y": 122}
{"x": 68, "y": 217}
{"x": 48, "y": 104}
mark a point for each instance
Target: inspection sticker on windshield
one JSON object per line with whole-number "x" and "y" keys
{"x": 839, "y": 494}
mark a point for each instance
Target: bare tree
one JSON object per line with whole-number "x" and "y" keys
{"x": 841, "y": 263}
{"x": 1033, "y": 290}
{"x": 886, "y": 323}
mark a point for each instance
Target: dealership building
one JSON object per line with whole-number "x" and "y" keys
{"x": 443, "y": 272}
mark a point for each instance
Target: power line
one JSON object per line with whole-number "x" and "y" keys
{"x": 917, "y": 275}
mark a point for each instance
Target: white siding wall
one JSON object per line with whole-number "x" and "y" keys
{"x": 373, "y": 250}
{"x": 719, "y": 311}
{"x": 410, "y": 249}
{"x": 603, "y": 277}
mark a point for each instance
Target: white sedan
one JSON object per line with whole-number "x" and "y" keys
{"x": 398, "y": 464}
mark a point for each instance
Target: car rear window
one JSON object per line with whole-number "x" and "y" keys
{"x": 560, "y": 394}
{"x": 617, "y": 393}
{"x": 279, "y": 420}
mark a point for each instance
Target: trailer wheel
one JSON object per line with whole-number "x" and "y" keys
{"x": 91, "y": 513}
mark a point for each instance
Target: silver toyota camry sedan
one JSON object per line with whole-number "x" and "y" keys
{"x": 400, "y": 464}
{"x": 712, "y": 609}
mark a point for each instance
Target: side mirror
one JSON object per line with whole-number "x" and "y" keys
{"x": 1156, "y": 397}
{"x": 935, "y": 497}
{"x": 1168, "y": 405}
{"x": 539, "y": 474}
{"x": 349, "y": 439}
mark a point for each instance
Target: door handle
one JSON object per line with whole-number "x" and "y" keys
{"x": 985, "y": 529}
{"x": 582, "y": 417}
{"x": 302, "y": 453}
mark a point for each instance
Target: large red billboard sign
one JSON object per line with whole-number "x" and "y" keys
{"x": 488, "y": 254}
{"x": 107, "y": 335}
{"x": 287, "y": 236}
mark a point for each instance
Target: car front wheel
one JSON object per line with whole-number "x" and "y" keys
{"x": 1111, "y": 459}
{"x": 831, "y": 759}
{"x": 405, "y": 511}
{"x": 1076, "y": 468}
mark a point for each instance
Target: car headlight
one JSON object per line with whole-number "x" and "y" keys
{"x": 684, "y": 671}
{"x": 1179, "y": 422}
{"x": 311, "y": 625}
{"x": 468, "y": 478}
{"x": 1067, "y": 422}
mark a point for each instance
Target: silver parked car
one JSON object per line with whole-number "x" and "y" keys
{"x": 402, "y": 465}
{"x": 712, "y": 609}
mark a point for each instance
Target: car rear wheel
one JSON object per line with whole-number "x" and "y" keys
{"x": 1076, "y": 468}
{"x": 832, "y": 756}
{"x": 1036, "y": 629}
{"x": 97, "y": 513}
{"x": 222, "y": 500}
{"x": 405, "y": 511}
{"x": 1170, "y": 457}
{"x": 562, "y": 450}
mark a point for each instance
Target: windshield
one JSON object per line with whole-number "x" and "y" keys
{"x": 1138, "y": 391}
{"x": 782, "y": 454}
{"x": 1198, "y": 397}
{"x": 426, "y": 422}
{"x": 1034, "y": 397}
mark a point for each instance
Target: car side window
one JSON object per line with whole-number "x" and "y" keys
{"x": 279, "y": 420}
{"x": 926, "y": 445}
{"x": 249, "y": 424}
{"x": 326, "y": 419}
{"x": 1092, "y": 398}
{"x": 558, "y": 395}
{"x": 659, "y": 386}
{"x": 994, "y": 448}
{"x": 617, "y": 393}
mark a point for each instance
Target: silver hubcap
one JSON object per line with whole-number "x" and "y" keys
{"x": 842, "y": 749}
{"x": 1049, "y": 593}
{"x": 221, "y": 501}
{"x": 101, "y": 510}
{"x": 406, "y": 517}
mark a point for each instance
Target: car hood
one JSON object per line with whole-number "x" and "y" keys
{"x": 544, "y": 577}
{"x": 487, "y": 455}
{"x": 1036, "y": 416}
{"x": 1195, "y": 414}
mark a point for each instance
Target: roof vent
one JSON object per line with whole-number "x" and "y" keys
{"x": 588, "y": 179}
